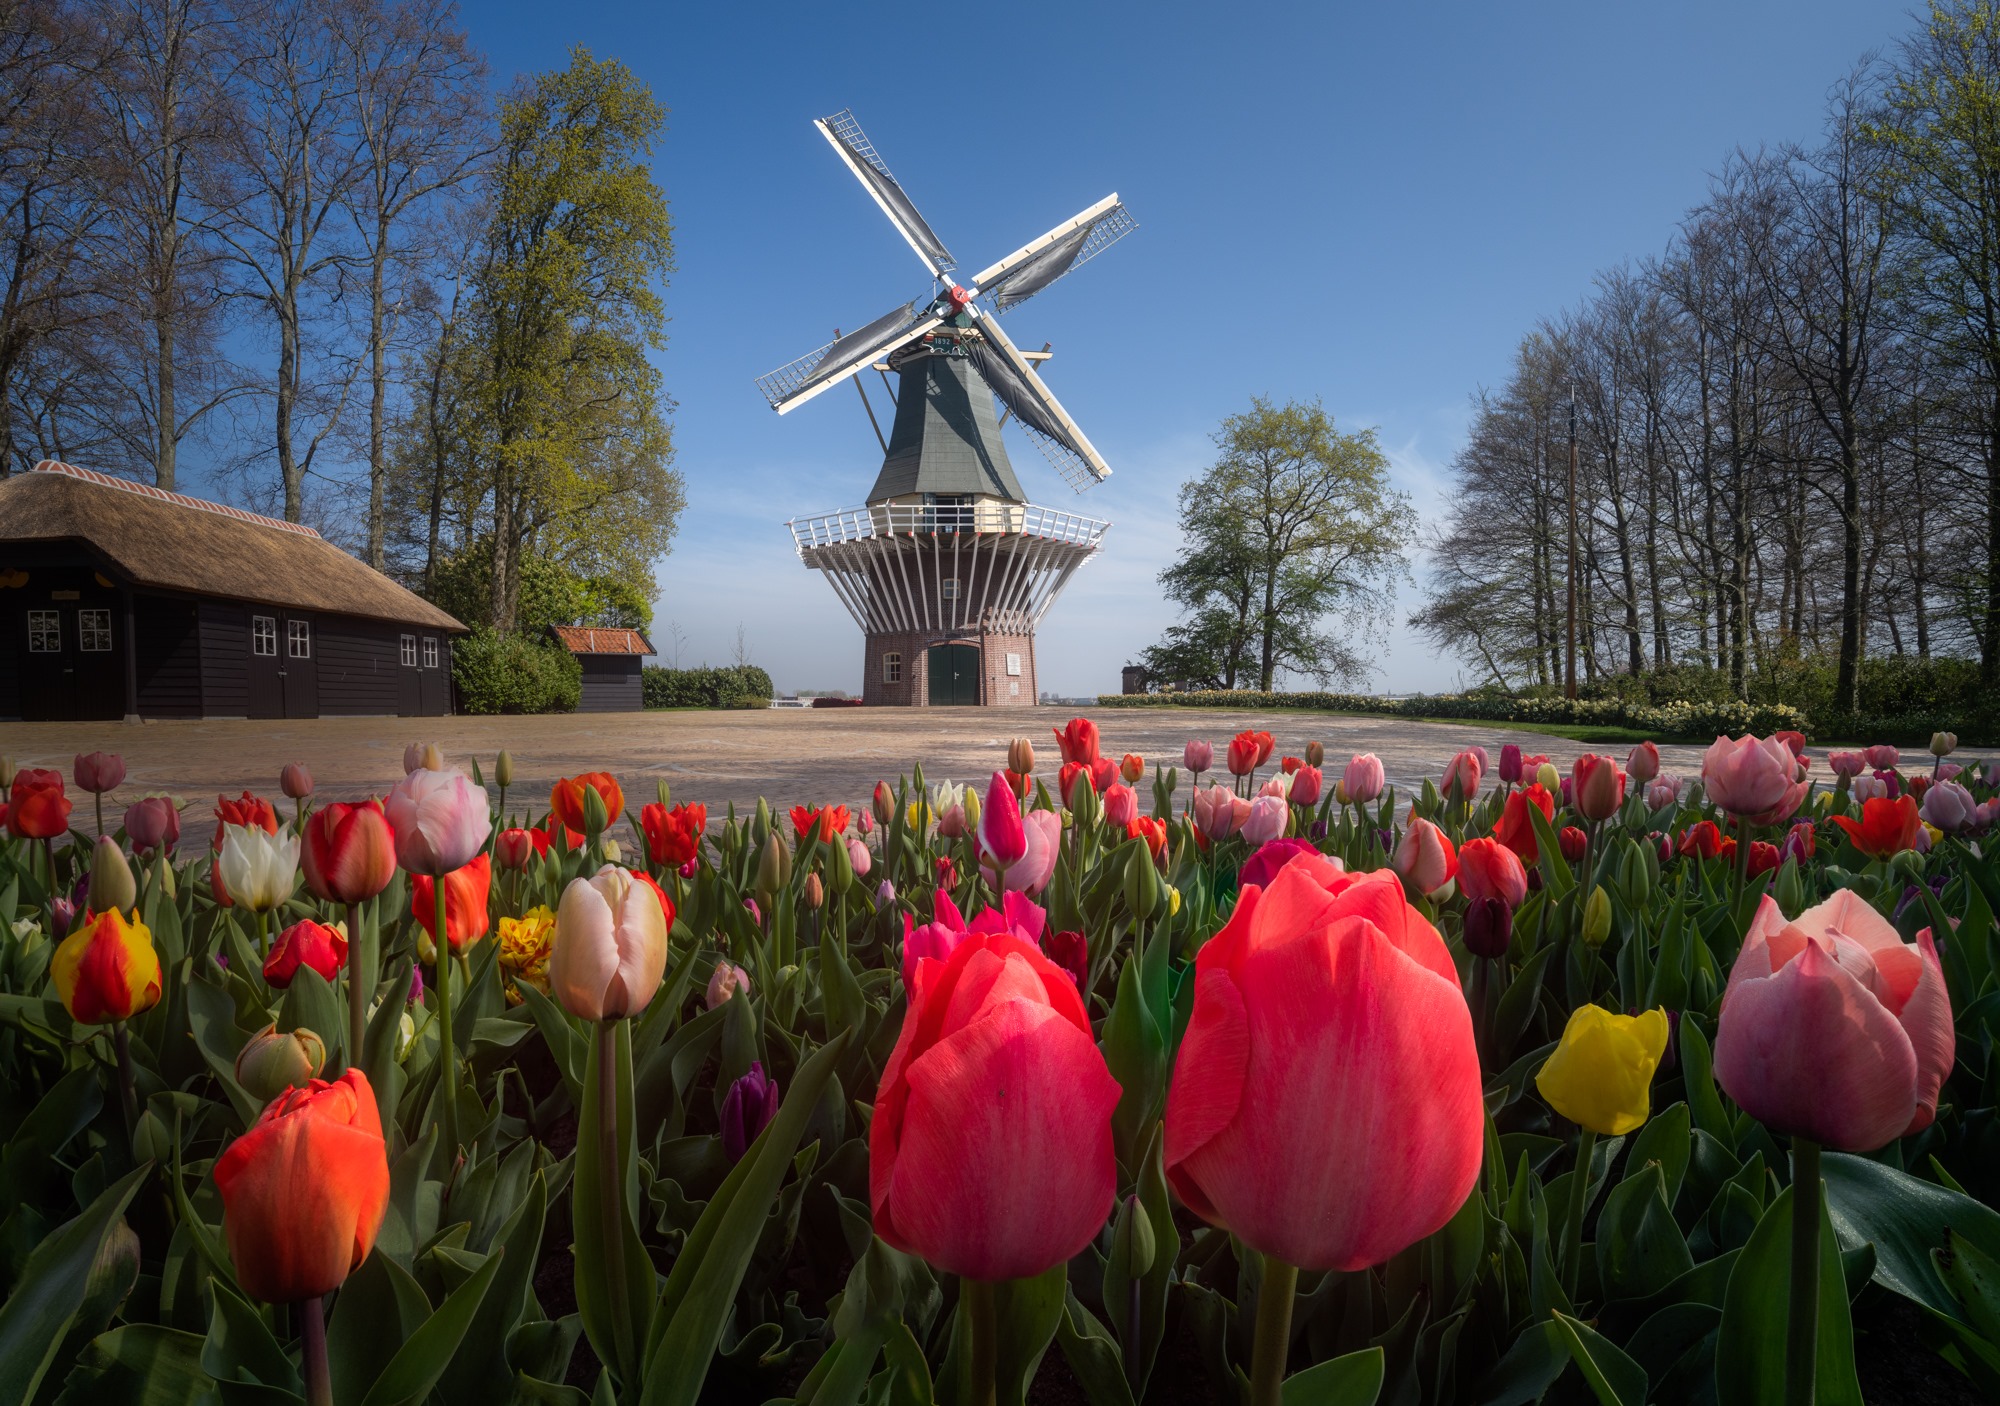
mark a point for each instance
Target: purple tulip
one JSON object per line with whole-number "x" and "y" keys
{"x": 748, "y": 1107}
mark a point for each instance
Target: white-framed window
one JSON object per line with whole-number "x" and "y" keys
{"x": 93, "y": 631}
{"x": 45, "y": 632}
{"x": 430, "y": 651}
{"x": 948, "y": 588}
{"x": 892, "y": 668}
{"x": 1013, "y": 688}
{"x": 409, "y": 651}
{"x": 1014, "y": 667}
{"x": 299, "y": 639}
{"x": 264, "y": 635}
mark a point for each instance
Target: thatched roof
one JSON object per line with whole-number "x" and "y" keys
{"x": 175, "y": 543}
{"x": 587, "y": 639}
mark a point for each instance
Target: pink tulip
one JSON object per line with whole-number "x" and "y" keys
{"x": 1663, "y": 791}
{"x": 1643, "y": 763}
{"x": 1198, "y": 756}
{"x": 1002, "y": 837}
{"x": 1218, "y": 813}
{"x": 1882, "y": 757}
{"x": 1867, "y": 788}
{"x": 858, "y": 857}
{"x": 152, "y": 823}
{"x": 1950, "y": 807}
{"x": 1279, "y": 786}
{"x": 725, "y": 981}
{"x": 1848, "y": 764}
{"x": 936, "y": 940}
{"x": 1121, "y": 804}
{"x": 295, "y": 781}
{"x": 1598, "y": 786}
{"x": 1042, "y": 837}
{"x": 1362, "y": 781}
{"x": 1265, "y": 822}
{"x": 1425, "y": 859}
{"x": 610, "y": 946}
{"x": 1306, "y": 784}
{"x": 1326, "y": 1013}
{"x": 1833, "y": 1028}
{"x": 440, "y": 820}
{"x": 1755, "y": 778}
{"x": 951, "y": 825}
{"x": 99, "y": 771}
{"x": 1461, "y": 776}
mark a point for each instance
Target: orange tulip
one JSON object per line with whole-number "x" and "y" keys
{"x": 38, "y": 809}
{"x": 465, "y": 892}
{"x": 1132, "y": 768}
{"x": 1886, "y": 827}
{"x": 566, "y": 801}
{"x": 247, "y": 810}
{"x": 305, "y": 1190}
{"x": 673, "y": 836}
{"x": 832, "y": 820}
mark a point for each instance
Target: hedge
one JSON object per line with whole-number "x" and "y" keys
{"x": 727, "y": 687}
{"x": 1700, "y": 721}
{"x": 498, "y": 673}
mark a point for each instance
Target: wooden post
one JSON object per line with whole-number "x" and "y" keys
{"x": 131, "y": 656}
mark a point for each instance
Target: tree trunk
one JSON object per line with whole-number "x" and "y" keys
{"x": 1847, "y": 678}
{"x": 378, "y": 375}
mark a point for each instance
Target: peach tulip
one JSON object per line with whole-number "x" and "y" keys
{"x": 440, "y": 820}
{"x": 1754, "y": 778}
{"x": 611, "y": 945}
{"x": 1325, "y": 1106}
{"x": 1425, "y": 859}
{"x": 1833, "y": 1028}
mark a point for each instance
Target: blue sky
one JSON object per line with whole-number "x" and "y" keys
{"x": 1365, "y": 203}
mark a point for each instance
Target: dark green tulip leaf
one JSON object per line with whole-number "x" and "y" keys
{"x": 1750, "y": 1344}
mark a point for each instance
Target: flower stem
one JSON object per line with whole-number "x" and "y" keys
{"x": 99, "y": 798}
{"x": 1742, "y": 855}
{"x": 312, "y": 1341}
{"x": 611, "y": 1186}
{"x": 984, "y": 1322}
{"x": 1802, "y": 1327}
{"x": 263, "y": 933}
{"x": 1579, "y": 1200}
{"x": 448, "y": 1071}
{"x": 360, "y": 985}
{"x": 128, "y": 1098}
{"x": 1274, "y": 1332}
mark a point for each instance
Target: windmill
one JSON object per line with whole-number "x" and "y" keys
{"x": 946, "y": 566}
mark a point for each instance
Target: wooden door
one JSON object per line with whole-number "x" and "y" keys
{"x": 48, "y": 663}
{"x": 300, "y": 670}
{"x": 267, "y": 664}
{"x": 954, "y": 675}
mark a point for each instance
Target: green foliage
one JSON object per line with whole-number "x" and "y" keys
{"x": 551, "y": 594}
{"x": 498, "y": 673}
{"x": 744, "y": 686}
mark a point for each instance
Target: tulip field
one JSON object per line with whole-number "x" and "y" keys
{"x": 1229, "y": 1077}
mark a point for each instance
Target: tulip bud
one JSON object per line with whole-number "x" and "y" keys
{"x": 1021, "y": 756}
{"x": 7, "y": 768}
{"x": 840, "y": 865}
{"x": 970, "y": 804}
{"x": 1489, "y": 927}
{"x": 595, "y": 816}
{"x": 815, "y": 892}
{"x": 1071, "y": 952}
{"x": 1142, "y": 881}
{"x": 1548, "y": 777}
{"x": 1789, "y": 890}
{"x": 503, "y": 772}
{"x": 1635, "y": 875}
{"x": 1132, "y": 1239}
{"x": 1943, "y": 744}
{"x": 1132, "y": 767}
{"x": 111, "y": 882}
{"x": 271, "y": 1063}
{"x": 883, "y": 803}
{"x": 885, "y": 892}
{"x": 1597, "y": 918}
{"x": 774, "y": 865}
{"x": 1083, "y": 801}
{"x": 1315, "y": 755}
{"x": 422, "y": 756}
{"x": 747, "y": 1109}
{"x": 295, "y": 781}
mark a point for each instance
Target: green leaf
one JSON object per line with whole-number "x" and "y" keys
{"x": 1750, "y": 1343}
{"x": 1026, "y": 1316}
{"x": 29, "y": 1166}
{"x": 1698, "y": 1077}
{"x": 699, "y": 1294}
{"x": 140, "y": 1364}
{"x": 1092, "y": 1355}
{"x": 1530, "y": 1367}
{"x": 1135, "y": 1050}
{"x": 614, "y": 1296}
{"x": 1616, "y": 1378}
{"x": 1905, "y": 1218}
{"x": 311, "y": 1004}
{"x": 1667, "y": 1139}
{"x": 417, "y": 1365}
{"x": 1353, "y": 1380}
{"x": 479, "y": 1373}
{"x": 1639, "y": 1248}
{"x": 241, "y": 1348}
{"x": 212, "y": 1021}
{"x": 375, "y": 1312}
{"x": 53, "y": 1287}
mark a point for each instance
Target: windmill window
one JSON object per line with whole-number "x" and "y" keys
{"x": 93, "y": 631}
{"x": 1014, "y": 666}
{"x": 264, "y": 635}
{"x": 298, "y": 639}
{"x": 892, "y": 668}
{"x": 948, "y": 588}
{"x": 409, "y": 651}
{"x": 45, "y": 632}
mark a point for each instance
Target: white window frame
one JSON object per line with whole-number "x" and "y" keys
{"x": 892, "y": 667}
{"x": 948, "y": 588}
{"x": 45, "y": 632}
{"x": 263, "y": 633}
{"x": 93, "y": 630}
{"x": 430, "y": 651}
{"x": 407, "y": 651}
{"x": 298, "y": 639}
{"x": 1014, "y": 666}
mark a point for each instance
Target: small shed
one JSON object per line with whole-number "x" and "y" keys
{"x": 611, "y": 659}
{"x": 118, "y": 599}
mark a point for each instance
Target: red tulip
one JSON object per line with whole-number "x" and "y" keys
{"x": 245, "y": 810}
{"x": 673, "y": 836}
{"x": 1764, "y": 857}
{"x": 1326, "y": 1013}
{"x": 990, "y": 1150}
{"x": 305, "y": 944}
{"x": 514, "y": 849}
{"x": 98, "y": 772}
{"x": 1702, "y": 840}
{"x": 1003, "y": 836}
{"x": 37, "y": 808}
{"x": 1071, "y": 952}
{"x": 1597, "y": 785}
{"x": 566, "y": 801}
{"x": 1516, "y": 830}
{"x": 466, "y": 919}
{"x": 1461, "y": 776}
{"x": 1643, "y": 763}
{"x": 1886, "y": 827}
{"x": 1242, "y": 755}
{"x": 831, "y": 820}
{"x": 1833, "y": 1028}
{"x": 349, "y": 852}
{"x": 1077, "y": 741}
{"x": 305, "y": 1190}
{"x": 1153, "y": 832}
{"x": 1574, "y": 843}
{"x": 1755, "y": 778}
{"x": 1306, "y": 783}
{"x": 1488, "y": 869}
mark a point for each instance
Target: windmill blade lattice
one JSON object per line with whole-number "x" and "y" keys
{"x": 1069, "y": 246}
{"x": 861, "y": 158}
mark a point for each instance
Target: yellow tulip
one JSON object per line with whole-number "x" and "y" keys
{"x": 107, "y": 969}
{"x": 1602, "y": 1071}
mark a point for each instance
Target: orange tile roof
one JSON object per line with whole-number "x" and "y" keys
{"x": 586, "y": 639}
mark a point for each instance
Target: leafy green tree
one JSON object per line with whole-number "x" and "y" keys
{"x": 1294, "y": 523}
{"x": 550, "y": 594}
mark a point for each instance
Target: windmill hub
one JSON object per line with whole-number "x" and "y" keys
{"x": 947, "y": 567}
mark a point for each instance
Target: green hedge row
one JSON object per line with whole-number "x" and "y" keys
{"x": 1700, "y": 721}
{"x": 498, "y": 673}
{"x": 726, "y": 687}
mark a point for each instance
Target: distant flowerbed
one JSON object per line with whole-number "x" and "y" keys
{"x": 1234, "y": 1076}
{"x": 1675, "y": 720}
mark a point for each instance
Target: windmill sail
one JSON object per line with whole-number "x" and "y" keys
{"x": 793, "y": 385}
{"x": 1003, "y": 368}
{"x": 1070, "y": 245}
{"x": 859, "y": 153}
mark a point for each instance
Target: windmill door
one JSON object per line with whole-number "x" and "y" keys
{"x": 954, "y": 675}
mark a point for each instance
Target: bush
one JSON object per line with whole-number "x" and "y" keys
{"x": 705, "y": 688}
{"x": 498, "y": 673}
{"x": 1700, "y": 721}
